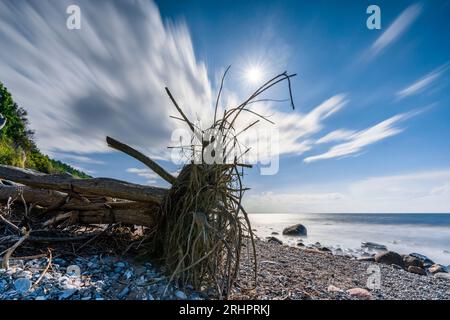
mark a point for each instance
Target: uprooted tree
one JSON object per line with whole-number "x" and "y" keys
{"x": 196, "y": 228}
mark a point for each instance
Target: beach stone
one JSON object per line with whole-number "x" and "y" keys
{"x": 325, "y": 249}
{"x": 366, "y": 258}
{"x": 275, "y": 233}
{"x": 295, "y": 230}
{"x": 427, "y": 262}
{"x": 332, "y": 288}
{"x": 66, "y": 294}
{"x": 389, "y": 257}
{"x": 181, "y": 295}
{"x": 274, "y": 240}
{"x": 442, "y": 275}
{"x": 436, "y": 268}
{"x": 412, "y": 261}
{"x": 128, "y": 274}
{"x": 2, "y": 286}
{"x": 417, "y": 270}
{"x": 122, "y": 294}
{"x": 22, "y": 285}
{"x": 360, "y": 293}
{"x": 300, "y": 244}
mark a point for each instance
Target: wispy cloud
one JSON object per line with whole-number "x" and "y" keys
{"x": 337, "y": 135}
{"x": 423, "y": 83}
{"x": 363, "y": 138}
{"x": 145, "y": 173}
{"x": 295, "y": 129}
{"x": 396, "y": 29}
{"x": 107, "y": 78}
{"x": 77, "y": 158}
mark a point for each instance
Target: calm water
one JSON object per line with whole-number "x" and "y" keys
{"x": 428, "y": 234}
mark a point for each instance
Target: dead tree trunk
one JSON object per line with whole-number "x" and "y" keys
{"x": 96, "y": 186}
{"x": 87, "y": 201}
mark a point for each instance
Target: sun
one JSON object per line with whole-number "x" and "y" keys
{"x": 253, "y": 74}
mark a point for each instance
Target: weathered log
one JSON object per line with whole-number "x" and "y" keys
{"x": 106, "y": 205}
{"x": 40, "y": 197}
{"x": 127, "y": 212}
{"x": 95, "y": 186}
{"x": 146, "y": 217}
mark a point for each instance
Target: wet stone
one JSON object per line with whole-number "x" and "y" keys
{"x": 22, "y": 285}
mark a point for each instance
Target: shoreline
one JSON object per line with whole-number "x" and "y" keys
{"x": 287, "y": 272}
{"x": 405, "y": 233}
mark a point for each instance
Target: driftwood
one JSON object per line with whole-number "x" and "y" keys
{"x": 95, "y": 186}
{"x": 127, "y": 212}
{"x": 40, "y": 197}
{"x": 146, "y": 217}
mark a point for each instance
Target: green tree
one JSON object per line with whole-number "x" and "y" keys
{"x": 17, "y": 147}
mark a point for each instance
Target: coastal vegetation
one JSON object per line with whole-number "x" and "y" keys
{"x": 17, "y": 145}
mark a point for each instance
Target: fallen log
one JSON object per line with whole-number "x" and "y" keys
{"x": 127, "y": 212}
{"x": 146, "y": 217}
{"x": 40, "y": 197}
{"x": 94, "y": 186}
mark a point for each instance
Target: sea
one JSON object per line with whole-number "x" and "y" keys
{"x": 427, "y": 234}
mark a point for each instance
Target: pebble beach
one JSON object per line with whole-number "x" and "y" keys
{"x": 284, "y": 272}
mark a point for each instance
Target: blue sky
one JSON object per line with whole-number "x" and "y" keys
{"x": 380, "y": 143}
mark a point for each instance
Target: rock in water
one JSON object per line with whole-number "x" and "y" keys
{"x": 389, "y": 257}
{"x": 295, "y": 230}
{"x": 417, "y": 270}
{"x": 360, "y": 293}
{"x": 412, "y": 261}
{"x": 436, "y": 268}
{"x": 373, "y": 245}
{"x": 274, "y": 240}
{"x": 22, "y": 285}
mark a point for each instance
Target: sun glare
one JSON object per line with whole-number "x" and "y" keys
{"x": 254, "y": 74}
